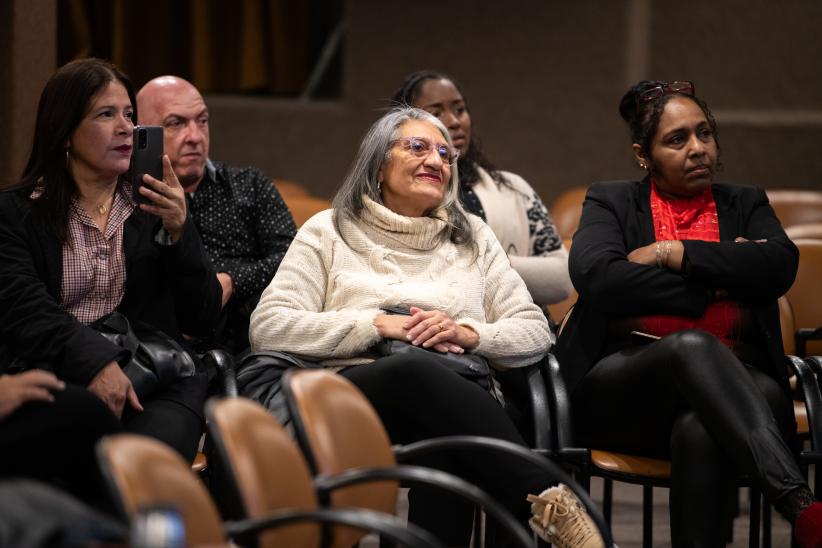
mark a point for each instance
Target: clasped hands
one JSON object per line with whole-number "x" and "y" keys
{"x": 427, "y": 328}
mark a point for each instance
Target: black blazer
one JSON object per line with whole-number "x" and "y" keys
{"x": 173, "y": 288}
{"x": 616, "y": 219}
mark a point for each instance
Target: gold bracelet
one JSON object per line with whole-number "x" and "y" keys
{"x": 669, "y": 244}
{"x": 658, "y": 255}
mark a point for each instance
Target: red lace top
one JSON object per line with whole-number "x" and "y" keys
{"x": 692, "y": 219}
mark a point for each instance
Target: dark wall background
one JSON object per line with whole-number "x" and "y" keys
{"x": 543, "y": 79}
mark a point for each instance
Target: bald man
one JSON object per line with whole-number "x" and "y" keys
{"x": 245, "y": 225}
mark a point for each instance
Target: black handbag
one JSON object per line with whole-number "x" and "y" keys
{"x": 470, "y": 366}
{"x": 259, "y": 378}
{"x": 157, "y": 360}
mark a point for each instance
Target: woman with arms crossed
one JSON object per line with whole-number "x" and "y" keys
{"x": 698, "y": 265}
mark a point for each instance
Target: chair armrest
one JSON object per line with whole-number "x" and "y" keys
{"x": 809, "y": 387}
{"x": 223, "y": 363}
{"x": 560, "y": 410}
{"x": 435, "y": 478}
{"x": 387, "y": 526}
{"x": 540, "y": 410}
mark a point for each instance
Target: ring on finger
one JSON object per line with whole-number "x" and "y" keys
{"x": 441, "y": 328}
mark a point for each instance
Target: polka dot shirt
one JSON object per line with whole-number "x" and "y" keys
{"x": 245, "y": 225}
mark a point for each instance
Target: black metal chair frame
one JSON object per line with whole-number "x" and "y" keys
{"x": 245, "y": 531}
{"x": 426, "y": 476}
{"x": 554, "y": 419}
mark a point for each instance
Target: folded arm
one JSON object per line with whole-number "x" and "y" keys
{"x": 606, "y": 279}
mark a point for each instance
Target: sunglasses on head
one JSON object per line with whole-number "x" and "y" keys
{"x": 668, "y": 88}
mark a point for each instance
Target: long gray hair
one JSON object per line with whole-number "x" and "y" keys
{"x": 375, "y": 150}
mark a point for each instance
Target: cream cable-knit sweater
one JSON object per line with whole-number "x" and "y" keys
{"x": 326, "y": 293}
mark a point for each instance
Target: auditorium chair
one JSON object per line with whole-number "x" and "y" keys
{"x": 143, "y": 473}
{"x": 805, "y": 296}
{"x": 558, "y": 311}
{"x": 805, "y": 231}
{"x": 345, "y": 442}
{"x": 796, "y": 207}
{"x": 300, "y": 203}
{"x": 651, "y": 472}
{"x": 566, "y": 210}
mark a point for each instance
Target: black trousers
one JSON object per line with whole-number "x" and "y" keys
{"x": 420, "y": 399}
{"x": 173, "y": 415}
{"x": 55, "y": 442}
{"x": 687, "y": 397}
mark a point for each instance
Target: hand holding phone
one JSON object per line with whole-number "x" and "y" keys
{"x": 146, "y": 158}
{"x": 166, "y": 199}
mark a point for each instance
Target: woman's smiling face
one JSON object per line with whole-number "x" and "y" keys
{"x": 413, "y": 185}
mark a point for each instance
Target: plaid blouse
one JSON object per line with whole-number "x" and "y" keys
{"x": 94, "y": 264}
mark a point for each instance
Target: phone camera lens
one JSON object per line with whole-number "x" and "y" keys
{"x": 141, "y": 138}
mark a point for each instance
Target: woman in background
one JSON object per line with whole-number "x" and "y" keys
{"x": 502, "y": 199}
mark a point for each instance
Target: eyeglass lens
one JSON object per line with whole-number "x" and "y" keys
{"x": 422, "y": 147}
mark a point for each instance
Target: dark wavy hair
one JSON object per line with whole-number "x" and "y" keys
{"x": 63, "y": 104}
{"x": 643, "y": 117}
{"x": 409, "y": 92}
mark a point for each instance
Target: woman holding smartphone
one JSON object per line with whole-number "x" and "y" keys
{"x": 74, "y": 248}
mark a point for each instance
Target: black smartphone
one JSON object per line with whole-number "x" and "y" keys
{"x": 640, "y": 338}
{"x": 146, "y": 157}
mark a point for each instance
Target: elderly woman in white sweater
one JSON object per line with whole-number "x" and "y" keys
{"x": 398, "y": 238}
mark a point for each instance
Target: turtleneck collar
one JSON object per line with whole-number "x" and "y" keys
{"x": 421, "y": 233}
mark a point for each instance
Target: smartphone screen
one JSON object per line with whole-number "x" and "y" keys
{"x": 147, "y": 157}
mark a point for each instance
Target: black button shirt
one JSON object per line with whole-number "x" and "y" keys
{"x": 245, "y": 226}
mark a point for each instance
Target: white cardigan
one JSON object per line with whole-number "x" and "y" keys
{"x": 327, "y": 291}
{"x": 524, "y": 228}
